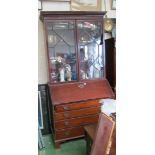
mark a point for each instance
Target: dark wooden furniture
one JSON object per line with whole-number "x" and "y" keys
{"x": 77, "y": 75}
{"x": 111, "y": 62}
{"x": 101, "y": 137}
{"x": 43, "y": 88}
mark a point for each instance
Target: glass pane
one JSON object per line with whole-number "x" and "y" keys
{"x": 61, "y": 47}
{"x": 90, "y": 50}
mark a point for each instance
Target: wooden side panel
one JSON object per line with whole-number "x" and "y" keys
{"x": 76, "y": 113}
{"x": 72, "y": 92}
{"x": 77, "y": 105}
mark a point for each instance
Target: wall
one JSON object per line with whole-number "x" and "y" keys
{"x": 42, "y": 59}
{"x": 110, "y": 13}
{"x": 65, "y": 6}
{"x": 57, "y": 6}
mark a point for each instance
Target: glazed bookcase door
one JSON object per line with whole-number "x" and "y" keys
{"x": 61, "y": 50}
{"x": 90, "y": 49}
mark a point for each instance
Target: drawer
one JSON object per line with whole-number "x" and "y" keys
{"x": 69, "y": 133}
{"x": 79, "y": 121}
{"x": 77, "y": 105}
{"x": 76, "y": 113}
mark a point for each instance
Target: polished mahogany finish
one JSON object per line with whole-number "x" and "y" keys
{"x": 113, "y": 145}
{"x": 71, "y": 92}
{"x": 77, "y": 38}
{"x": 71, "y": 14}
{"x": 103, "y": 135}
{"x": 79, "y": 121}
{"x": 69, "y": 133}
{"x": 77, "y": 113}
{"x": 77, "y": 105}
{"x": 90, "y": 130}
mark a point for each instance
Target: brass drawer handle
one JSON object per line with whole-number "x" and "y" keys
{"x": 66, "y": 114}
{"x": 67, "y": 133}
{"x": 82, "y": 85}
{"x": 66, "y": 123}
{"x": 66, "y": 108}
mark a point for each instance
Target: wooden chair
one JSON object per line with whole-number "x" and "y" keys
{"x": 101, "y": 136}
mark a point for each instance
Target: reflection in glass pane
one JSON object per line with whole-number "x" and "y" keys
{"x": 91, "y": 55}
{"x": 53, "y": 39}
{"x": 61, "y": 45}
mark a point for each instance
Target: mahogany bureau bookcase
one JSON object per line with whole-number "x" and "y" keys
{"x": 76, "y": 62}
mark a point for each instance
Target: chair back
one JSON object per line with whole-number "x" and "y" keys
{"x": 103, "y": 135}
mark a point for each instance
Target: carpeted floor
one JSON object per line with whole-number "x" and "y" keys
{"x": 73, "y": 147}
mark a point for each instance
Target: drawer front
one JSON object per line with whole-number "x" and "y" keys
{"x": 77, "y": 105}
{"x": 80, "y": 121}
{"x": 69, "y": 133}
{"x": 77, "y": 113}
